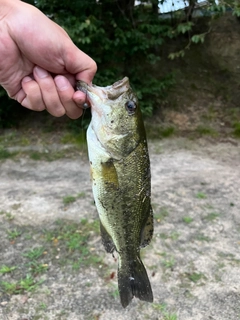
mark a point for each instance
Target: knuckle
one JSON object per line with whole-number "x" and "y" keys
{"x": 93, "y": 66}
{"x": 59, "y": 112}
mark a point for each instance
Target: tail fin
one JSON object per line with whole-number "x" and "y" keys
{"x": 133, "y": 281}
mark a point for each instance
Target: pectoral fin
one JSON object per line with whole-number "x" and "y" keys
{"x": 147, "y": 230}
{"x": 106, "y": 239}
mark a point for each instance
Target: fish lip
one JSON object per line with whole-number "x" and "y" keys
{"x": 110, "y": 92}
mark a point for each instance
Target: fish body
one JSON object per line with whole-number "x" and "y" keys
{"x": 120, "y": 173}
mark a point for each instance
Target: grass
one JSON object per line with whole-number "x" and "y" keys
{"x": 158, "y": 132}
{"x": 13, "y": 234}
{"x": 78, "y": 139}
{"x": 23, "y": 285}
{"x": 169, "y": 263}
{"x": 162, "y": 307}
{"x": 195, "y": 277}
{"x": 6, "y": 269}
{"x": 68, "y": 240}
{"x": 5, "y": 154}
{"x": 70, "y": 199}
{"x": 236, "y": 129}
{"x": 211, "y": 216}
{"x": 206, "y": 131}
{"x": 73, "y": 238}
{"x": 34, "y": 253}
{"x": 47, "y": 156}
{"x": 202, "y": 237}
{"x": 187, "y": 219}
{"x": 201, "y": 195}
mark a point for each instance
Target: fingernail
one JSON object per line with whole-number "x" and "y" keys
{"x": 26, "y": 79}
{"x": 41, "y": 73}
{"x": 61, "y": 83}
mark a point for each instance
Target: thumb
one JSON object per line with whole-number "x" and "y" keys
{"x": 81, "y": 65}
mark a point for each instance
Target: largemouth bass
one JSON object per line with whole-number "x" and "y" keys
{"x": 120, "y": 173}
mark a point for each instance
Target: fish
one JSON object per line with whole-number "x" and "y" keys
{"x": 121, "y": 182}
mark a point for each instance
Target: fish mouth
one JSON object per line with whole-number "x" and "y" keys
{"x": 110, "y": 92}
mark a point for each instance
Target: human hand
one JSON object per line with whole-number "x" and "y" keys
{"x": 39, "y": 63}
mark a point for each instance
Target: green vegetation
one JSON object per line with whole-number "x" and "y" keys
{"x": 187, "y": 219}
{"x": 162, "y": 307}
{"x": 73, "y": 238}
{"x": 169, "y": 263}
{"x": 206, "y": 131}
{"x": 5, "y": 154}
{"x": 236, "y": 130}
{"x": 195, "y": 277}
{"x": 211, "y": 216}
{"x": 13, "y": 234}
{"x": 201, "y": 195}
{"x": 26, "y": 284}
{"x": 5, "y": 269}
{"x": 70, "y": 199}
{"x": 124, "y": 40}
{"x": 64, "y": 244}
{"x": 34, "y": 253}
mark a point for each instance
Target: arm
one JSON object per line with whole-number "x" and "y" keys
{"x": 39, "y": 63}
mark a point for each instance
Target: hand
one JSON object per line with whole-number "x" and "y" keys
{"x": 39, "y": 63}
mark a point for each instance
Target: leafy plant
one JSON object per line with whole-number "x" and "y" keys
{"x": 34, "y": 253}
{"x": 13, "y": 234}
{"x": 5, "y": 269}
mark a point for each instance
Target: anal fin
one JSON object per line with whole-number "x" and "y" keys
{"x": 147, "y": 230}
{"x": 106, "y": 239}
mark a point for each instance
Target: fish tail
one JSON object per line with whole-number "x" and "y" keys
{"x": 133, "y": 282}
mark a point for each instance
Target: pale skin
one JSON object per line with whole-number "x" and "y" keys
{"x": 39, "y": 64}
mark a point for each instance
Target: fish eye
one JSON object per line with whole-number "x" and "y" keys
{"x": 131, "y": 107}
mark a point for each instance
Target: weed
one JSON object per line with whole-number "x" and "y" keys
{"x": 157, "y": 132}
{"x": 174, "y": 235}
{"x": 47, "y": 156}
{"x": 37, "y": 268}
{"x": 114, "y": 292}
{"x": 236, "y": 130}
{"x": 69, "y": 199}
{"x": 26, "y": 284}
{"x": 9, "y": 216}
{"x": 13, "y": 234}
{"x": 5, "y": 269}
{"x": 74, "y": 237}
{"x": 35, "y": 155}
{"x": 162, "y": 308}
{"x": 5, "y": 154}
{"x": 169, "y": 263}
{"x": 211, "y": 216}
{"x": 43, "y": 306}
{"x": 203, "y": 130}
{"x": 34, "y": 253}
{"x": 201, "y": 195}
{"x": 202, "y": 237}
{"x": 187, "y": 219}
{"x": 159, "y": 306}
{"x": 195, "y": 277}
{"x": 169, "y": 316}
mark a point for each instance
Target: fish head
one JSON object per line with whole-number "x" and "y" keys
{"x": 116, "y": 117}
